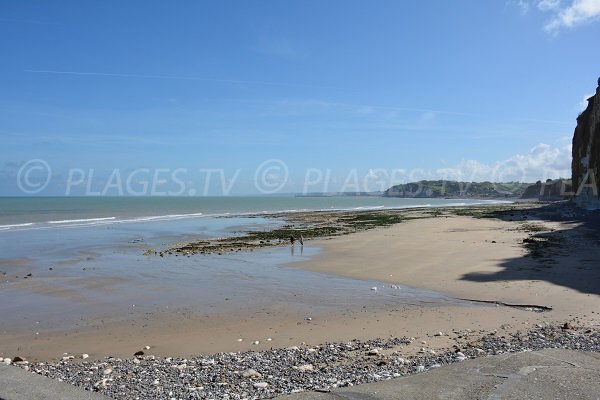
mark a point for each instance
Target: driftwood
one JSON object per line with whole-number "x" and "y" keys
{"x": 520, "y": 306}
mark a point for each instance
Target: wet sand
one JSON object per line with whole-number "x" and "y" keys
{"x": 460, "y": 256}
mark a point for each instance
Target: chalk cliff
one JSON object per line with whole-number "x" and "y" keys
{"x": 586, "y": 155}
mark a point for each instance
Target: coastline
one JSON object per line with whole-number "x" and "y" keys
{"x": 479, "y": 253}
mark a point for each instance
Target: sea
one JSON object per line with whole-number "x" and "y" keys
{"x": 26, "y": 213}
{"x": 68, "y": 259}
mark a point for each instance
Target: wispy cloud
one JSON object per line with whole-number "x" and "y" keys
{"x": 579, "y": 12}
{"x": 548, "y": 5}
{"x": 522, "y": 6}
{"x": 168, "y": 77}
{"x": 569, "y": 14}
{"x": 358, "y": 108}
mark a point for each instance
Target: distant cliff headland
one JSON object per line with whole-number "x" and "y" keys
{"x": 454, "y": 189}
{"x": 586, "y": 155}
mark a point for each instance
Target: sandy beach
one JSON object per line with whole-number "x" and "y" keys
{"x": 459, "y": 256}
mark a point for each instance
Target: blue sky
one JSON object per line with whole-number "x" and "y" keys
{"x": 385, "y": 90}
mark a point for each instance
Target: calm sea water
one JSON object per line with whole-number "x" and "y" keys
{"x": 86, "y": 259}
{"x": 26, "y": 213}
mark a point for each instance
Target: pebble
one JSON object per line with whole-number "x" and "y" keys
{"x": 251, "y": 373}
{"x": 85, "y": 356}
{"x": 374, "y": 288}
{"x": 305, "y": 367}
{"x": 221, "y": 376}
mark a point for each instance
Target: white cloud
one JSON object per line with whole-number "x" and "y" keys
{"x": 540, "y": 163}
{"x": 577, "y": 13}
{"x": 522, "y": 5}
{"x": 548, "y": 5}
{"x": 569, "y": 15}
{"x": 584, "y": 102}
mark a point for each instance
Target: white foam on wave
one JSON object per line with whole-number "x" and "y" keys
{"x": 78, "y": 221}
{"x": 4, "y": 227}
{"x": 162, "y": 217}
{"x": 368, "y": 208}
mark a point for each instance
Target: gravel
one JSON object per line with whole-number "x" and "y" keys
{"x": 267, "y": 374}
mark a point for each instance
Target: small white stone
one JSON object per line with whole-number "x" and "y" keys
{"x": 420, "y": 368}
{"x": 261, "y": 385}
{"x": 156, "y": 382}
{"x": 435, "y": 366}
{"x": 460, "y": 354}
{"x": 256, "y": 342}
{"x": 374, "y": 288}
{"x": 373, "y": 352}
{"x": 240, "y": 340}
{"x": 84, "y": 356}
{"x": 146, "y": 347}
{"x": 107, "y": 371}
{"x": 101, "y": 383}
{"x": 439, "y": 334}
{"x": 305, "y": 367}
{"x": 251, "y": 373}
{"x": 269, "y": 339}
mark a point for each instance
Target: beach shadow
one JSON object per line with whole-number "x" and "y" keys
{"x": 569, "y": 257}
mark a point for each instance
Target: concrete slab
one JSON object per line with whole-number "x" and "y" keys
{"x": 18, "y": 384}
{"x": 546, "y": 374}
